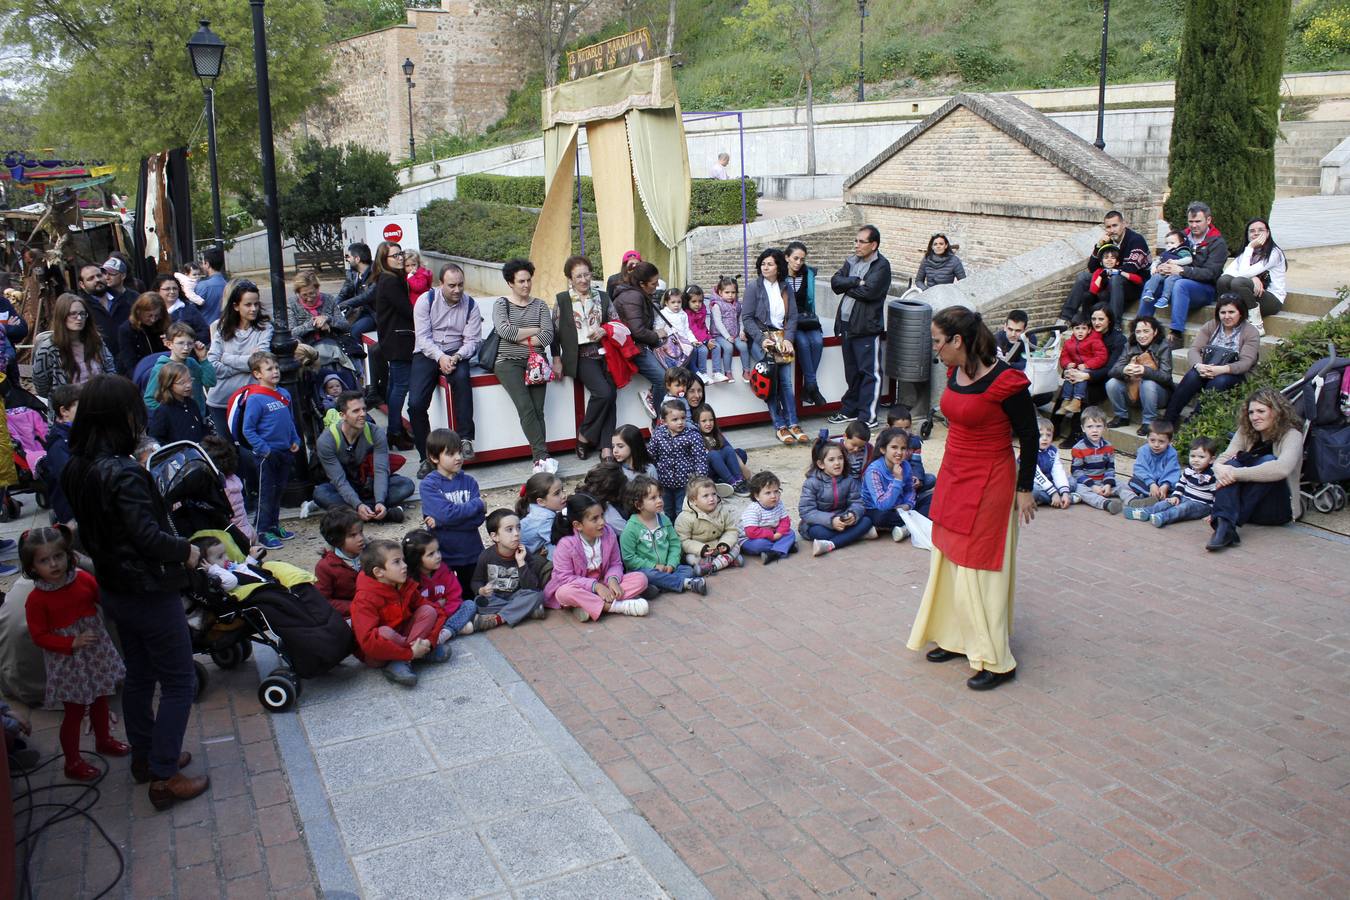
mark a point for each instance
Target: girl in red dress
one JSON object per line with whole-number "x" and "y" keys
{"x": 980, "y": 496}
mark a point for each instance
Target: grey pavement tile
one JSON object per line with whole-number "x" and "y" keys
{"x": 623, "y": 878}
{"x": 511, "y": 784}
{"x": 449, "y": 690}
{"x": 396, "y": 812}
{"x": 473, "y": 736}
{"x": 374, "y": 760}
{"x": 351, "y": 679}
{"x": 552, "y": 841}
{"x": 361, "y": 715}
{"x": 452, "y": 864}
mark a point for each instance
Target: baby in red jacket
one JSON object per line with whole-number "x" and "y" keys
{"x": 392, "y": 625}
{"x": 1084, "y": 351}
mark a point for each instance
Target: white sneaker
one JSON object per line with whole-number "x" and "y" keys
{"x": 547, "y": 464}
{"x": 899, "y": 533}
{"x": 871, "y": 534}
{"x": 635, "y": 607}
{"x": 647, "y": 404}
{"x": 725, "y": 490}
{"x": 1254, "y": 316}
{"x": 307, "y": 507}
{"x": 820, "y": 548}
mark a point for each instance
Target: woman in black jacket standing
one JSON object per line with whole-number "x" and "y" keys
{"x": 140, "y": 564}
{"x": 394, "y": 325}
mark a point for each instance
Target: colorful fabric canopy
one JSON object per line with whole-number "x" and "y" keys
{"x": 22, "y": 166}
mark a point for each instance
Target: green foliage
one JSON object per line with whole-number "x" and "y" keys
{"x": 1216, "y": 414}
{"x": 348, "y": 18}
{"x": 712, "y": 202}
{"x": 978, "y": 63}
{"x": 488, "y": 231}
{"x": 323, "y": 183}
{"x": 1227, "y": 110}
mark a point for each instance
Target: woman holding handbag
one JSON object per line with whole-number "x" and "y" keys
{"x": 1142, "y": 376}
{"x": 1224, "y": 351}
{"x": 582, "y": 314}
{"x": 524, "y": 327}
{"x": 770, "y": 321}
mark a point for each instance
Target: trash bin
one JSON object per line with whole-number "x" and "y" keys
{"x": 909, "y": 340}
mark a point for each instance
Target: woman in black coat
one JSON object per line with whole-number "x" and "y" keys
{"x": 581, "y": 314}
{"x": 124, "y": 525}
{"x": 394, "y": 325}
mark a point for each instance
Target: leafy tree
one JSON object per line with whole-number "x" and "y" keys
{"x": 798, "y": 25}
{"x": 120, "y": 85}
{"x": 549, "y": 26}
{"x": 1226, "y": 116}
{"x": 321, "y": 184}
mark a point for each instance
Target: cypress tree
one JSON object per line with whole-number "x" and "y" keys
{"x": 1227, "y": 108}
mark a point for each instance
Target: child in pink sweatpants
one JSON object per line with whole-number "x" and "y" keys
{"x": 587, "y": 569}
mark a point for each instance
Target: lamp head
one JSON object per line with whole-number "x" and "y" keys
{"x": 407, "y": 67}
{"x": 207, "y": 52}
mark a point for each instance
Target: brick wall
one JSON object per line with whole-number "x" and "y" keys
{"x": 826, "y": 249}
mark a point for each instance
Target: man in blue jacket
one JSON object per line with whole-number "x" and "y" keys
{"x": 862, "y": 282}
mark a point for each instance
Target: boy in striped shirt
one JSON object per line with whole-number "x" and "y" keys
{"x": 1094, "y": 464}
{"x": 1194, "y": 496}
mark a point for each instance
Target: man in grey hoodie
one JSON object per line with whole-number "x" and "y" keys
{"x": 354, "y": 454}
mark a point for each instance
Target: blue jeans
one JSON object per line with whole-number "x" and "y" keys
{"x": 1192, "y": 384}
{"x": 651, "y": 369}
{"x": 1151, "y": 396}
{"x": 725, "y": 464}
{"x": 782, "y": 546}
{"x": 674, "y": 500}
{"x": 1041, "y": 496}
{"x": 157, "y": 650}
{"x": 1185, "y": 511}
{"x": 1073, "y": 390}
{"x": 669, "y": 581}
{"x": 810, "y": 345}
{"x": 274, "y": 471}
{"x": 782, "y": 402}
{"x": 396, "y": 393}
{"x": 1257, "y": 502}
{"x": 399, "y": 489}
{"x": 884, "y": 518}
{"x": 423, "y": 377}
{"x": 1158, "y": 287}
{"x": 1186, "y": 295}
{"x": 850, "y": 535}
{"x": 698, "y": 359}
{"x": 461, "y": 617}
{"x": 862, "y": 364}
{"x": 722, "y": 355}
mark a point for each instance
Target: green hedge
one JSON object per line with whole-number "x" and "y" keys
{"x": 1216, "y": 415}
{"x": 711, "y": 202}
{"x": 494, "y": 232}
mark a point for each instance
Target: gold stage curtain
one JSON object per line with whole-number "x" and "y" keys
{"x": 609, "y": 95}
{"x": 613, "y": 182}
{"x": 552, "y": 241}
{"x": 661, "y": 173}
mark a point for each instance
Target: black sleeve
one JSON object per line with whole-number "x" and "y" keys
{"x": 1021, "y": 411}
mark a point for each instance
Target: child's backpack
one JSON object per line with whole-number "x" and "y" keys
{"x": 238, "y": 402}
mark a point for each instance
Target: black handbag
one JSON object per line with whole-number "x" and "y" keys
{"x": 488, "y": 349}
{"x": 1214, "y": 355}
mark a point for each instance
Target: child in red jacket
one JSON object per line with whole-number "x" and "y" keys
{"x": 391, "y": 625}
{"x": 1082, "y": 352}
{"x": 345, "y": 534}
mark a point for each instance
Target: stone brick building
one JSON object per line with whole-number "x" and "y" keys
{"x": 999, "y": 178}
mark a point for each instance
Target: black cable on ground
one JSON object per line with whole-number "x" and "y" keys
{"x": 26, "y": 839}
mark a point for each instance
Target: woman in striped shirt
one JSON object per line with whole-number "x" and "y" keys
{"x": 523, "y": 323}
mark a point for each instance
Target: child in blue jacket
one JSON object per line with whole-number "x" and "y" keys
{"x": 452, "y": 507}
{"x": 888, "y": 483}
{"x": 269, "y": 429}
{"x": 1157, "y": 470}
{"x": 831, "y": 508}
{"x": 924, "y": 482}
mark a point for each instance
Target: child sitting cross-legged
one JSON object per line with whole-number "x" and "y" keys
{"x": 541, "y": 499}
{"x": 1051, "y": 487}
{"x": 725, "y": 462}
{"x": 437, "y": 584}
{"x": 508, "y": 582}
{"x": 888, "y": 485}
{"x": 452, "y": 506}
{"x": 766, "y": 528}
{"x": 335, "y": 576}
{"x": 391, "y": 625}
{"x": 707, "y": 530}
{"x": 588, "y": 572}
{"x": 1156, "y": 467}
{"x": 1194, "y": 496}
{"x": 649, "y": 544}
{"x": 1094, "y": 464}
{"x": 831, "y": 507}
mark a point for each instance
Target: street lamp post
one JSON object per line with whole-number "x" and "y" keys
{"x": 862, "y": 22}
{"x": 207, "y": 53}
{"x": 283, "y": 343}
{"x": 1101, "y": 87}
{"x": 407, "y": 76}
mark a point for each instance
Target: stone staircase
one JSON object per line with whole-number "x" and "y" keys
{"x": 1299, "y": 152}
{"x": 1300, "y": 308}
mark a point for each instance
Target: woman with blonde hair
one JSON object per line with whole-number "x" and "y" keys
{"x": 316, "y": 321}
{"x": 1259, "y": 472}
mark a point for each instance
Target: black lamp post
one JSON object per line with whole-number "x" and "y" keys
{"x": 862, "y": 22}
{"x": 283, "y": 343}
{"x": 1101, "y": 87}
{"x": 207, "y": 52}
{"x": 407, "y": 76}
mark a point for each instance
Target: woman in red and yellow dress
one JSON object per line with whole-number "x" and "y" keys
{"x": 980, "y": 497}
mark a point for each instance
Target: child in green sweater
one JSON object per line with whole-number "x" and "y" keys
{"x": 649, "y": 544}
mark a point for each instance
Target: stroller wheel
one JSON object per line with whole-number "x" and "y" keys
{"x": 231, "y": 656}
{"x": 1338, "y": 497}
{"x": 1324, "y": 501}
{"x": 203, "y": 678}
{"x": 278, "y": 692}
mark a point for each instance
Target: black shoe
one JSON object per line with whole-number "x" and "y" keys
{"x": 651, "y": 592}
{"x": 938, "y": 655}
{"x": 1225, "y": 535}
{"x": 394, "y": 514}
{"x": 1118, "y": 422}
{"x": 987, "y": 681}
{"x": 768, "y": 556}
{"x": 401, "y": 441}
{"x": 1143, "y": 430}
{"x": 583, "y": 450}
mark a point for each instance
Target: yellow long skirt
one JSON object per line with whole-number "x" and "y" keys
{"x": 970, "y": 611}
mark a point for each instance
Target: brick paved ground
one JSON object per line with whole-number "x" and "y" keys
{"x": 1158, "y": 741}
{"x": 241, "y": 840}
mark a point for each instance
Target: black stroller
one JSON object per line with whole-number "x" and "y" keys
{"x": 1326, "y": 438}
{"x": 289, "y": 614}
